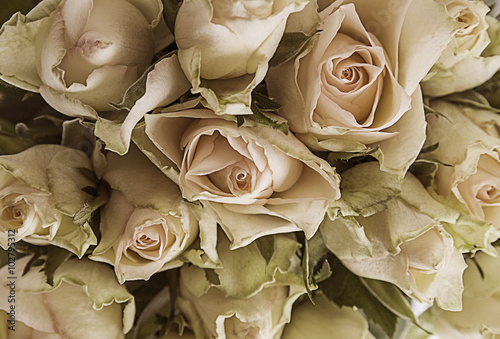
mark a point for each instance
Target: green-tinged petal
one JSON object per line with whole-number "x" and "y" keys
{"x": 478, "y": 318}
{"x": 365, "y": 191}
{"x": 74, "y": 238}
{"x": 30, "y": 166}
{"x": 324, "y": 318}
{"x": 400, "y": 151}
{"x": 17, "y": 52}
{"x": 403, "y": 244}
{"x": 165, "y": 83}
{"x": 156, "y": 191}
{"x": 246, "y": 262}
{"x": 247, "y": 299}
{"x": 90, "y": 287}
{"x": 67, "y": 178}
{"x": 466, "y": 74}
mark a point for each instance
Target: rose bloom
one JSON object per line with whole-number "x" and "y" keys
{"x": 225, "y": 46}
{"x": 40, "y": 193}
{"x": 356, "y": 82}
{"x": 86, "y": 301}
{"x": 478, "y": 318}
{"x": 256, "y": 180}
{"x": 145, "y": 225}
{"x": 471, "y": 56}
{"x": 83, "y": 55}
{"x": 474, "y": 179}
{"x": 257, "y": 307}
{"x": 404, "y": 244}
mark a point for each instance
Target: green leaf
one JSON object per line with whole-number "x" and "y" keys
{"x": 334, "y": 156}
{"x": 346, "y": 289}
{"x": 212, "y": 276}
{"x": 265, "y": 103}
{"x": 56, "y": 256}
{"x": 323, "y": 273}
{"x": 430, "y": 148}
{"x": 491, "y": 90}
{"x": 392, "y": 298}
{"x": 34, "y": 261}
{"x": 170, "y": 9}
{"x": 433, "y": 161}
{"x": 291, "y": 45}
{"x": 4, "y": 255}
{"x": 154, "y": 300}
{"x": 85, "y": 214}
{"x": 472, "y": 99}
{"x": 266, "y": 247}
{"x": 366, "y": 190}
{"x": 261, "y": 118}
{"x": 430, "y": 110}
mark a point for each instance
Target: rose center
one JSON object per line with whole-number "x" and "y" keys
{"x": 13, "y": 216}
{"x": 243, "y": 180}
{"x": 488, "y": 194}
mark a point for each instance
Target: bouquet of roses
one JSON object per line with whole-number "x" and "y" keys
{"x": 249, "y": 169}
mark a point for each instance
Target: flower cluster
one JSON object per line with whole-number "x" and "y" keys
{"x": 249, "y": 169}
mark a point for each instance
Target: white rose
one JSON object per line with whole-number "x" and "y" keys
{"x": 474, "y": 179}
{"x": 86, "y": 301}
{"x": 405, "y": 244}
{"x": 257, "y": 180}
{"x": 251, "y": 301}
{"x": 225, "y": 46}
{"x": 145, "y": 225}
{"x": 323, "y": 318}
{"x": 463, "y": 64}
{"x": 356, "y": 84}
{"x": 83, "y": 55}
{"x": 40, "y": 193}
{"x": 481, "y": 304}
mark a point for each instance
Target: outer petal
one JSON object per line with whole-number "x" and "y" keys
{"x": 88, "y": 284}
{"x": 322, "y": 319}
{"x": 164, "y": 84}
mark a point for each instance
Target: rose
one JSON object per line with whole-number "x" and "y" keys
{"x": 249, "y": 301}
{"x": 473, "y": 180}
{"x": 145, "y": 225}
{"x": 321, "y": 319}
{"x": 407, "y": 243}
{"x": 85, "y": 301}
{"x": 356, "y": 83}
{"x": 471, "y": 57}
{"x": 40, "y": 193}
{"x": 257, "y": 180}
{"x": 83, "y": 56}
{"x": 225, "y": 46}
{"x": 481, "y": 300}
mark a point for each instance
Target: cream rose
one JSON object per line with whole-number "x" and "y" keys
{"x": 86, "y": 301}
{"x": 145, "y": 225}
{"x": 83, "y": 55}
{"x": 40, "y": 193}
{"x": 257, "y": 180}
{"x": 356, "y": 83}
{"x": 481, "y": 304}
{"x": 463, "y": 64}
{"x": 251, "y": 301}
{"x": 225, "y": 46}
{"x": 474, "y": 179}
{"x": 405, "y": 244}
{"x": 323, "y": 318}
